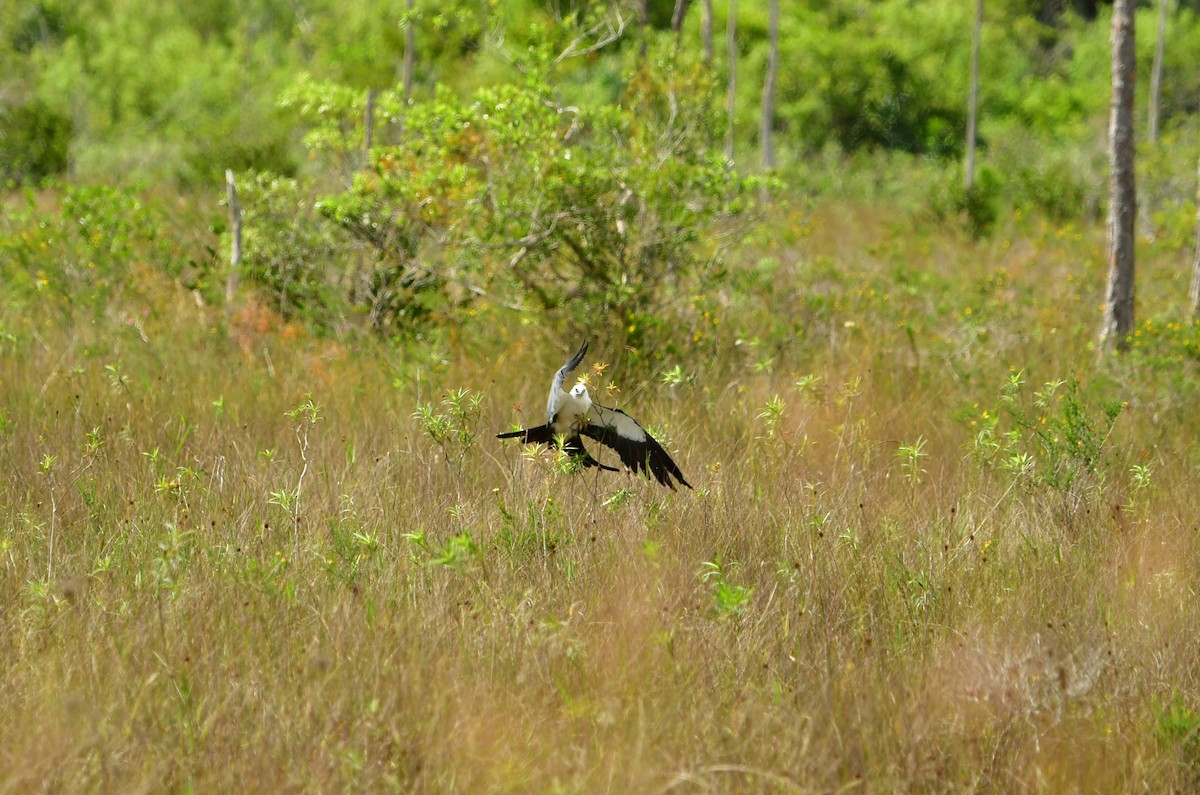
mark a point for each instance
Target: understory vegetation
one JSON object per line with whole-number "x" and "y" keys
{"x": 256, "y": 532}
{"x": 933, "y": 544}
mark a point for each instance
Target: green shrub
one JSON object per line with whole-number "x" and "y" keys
{"x": 1177, "y": 726}
{"x": 34, "y": 143}
{"x": 290, "y": 251}
{"x": 1054, "y": 436}
{"x": 975, "y": 209}
{"x": 514, "y": 196}
{"x": 83, "y": 256}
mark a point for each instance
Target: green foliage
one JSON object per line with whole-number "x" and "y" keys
{"x": 457, "y": 430}
{"x": 976, "y": 209}
{"x": 771, "y": 417}
{"x": 1177, "y": 725}
{"x": 676, "y": 377}
{"x": 455, "y": 554}
{"x": 1166, "y": 189}
{"x": 1164, "y": 343}
{"x": 82, "y": 254}
{"x": 353, "y": 550}
{"x": 1063, "y": 183}
{"x": 909, "y": 456}
{"x": 175, "y": 551}
{"x": 291, "y": 251}
{"x": 1054, "y": 437}
{"x": 305, "y": 414}
{"x": 514, "y": 196}
{"x": 34, "y": 142}
{"x": 728, "y": 598}
{"x": 853, "y": 87}
{"x": 334, "y": 116}
{"x": 181, "y": 92}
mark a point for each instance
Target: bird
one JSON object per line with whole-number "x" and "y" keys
{"x": 570, "y": 415}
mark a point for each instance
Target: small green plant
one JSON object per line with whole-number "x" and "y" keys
{"x": 353, "y": 549}
{"x": 306, "y": 415}
{"x": 910, "y": 456}
{"x": 1054, "y": 437}
{"x": 676, "y": 377}
{"x": 771, "y": 417}
{"x": 175, "y": 549}
{"x": 809, "y": 385}
{"x": 728, "y": 598}
{"x": 1141, "y": 476}
{"x": 455, "y": 431}
{"x": 458, "y": 551}
{"x": 565, "y": 463}
{"x": 1177, "y": 725}
{"x": 619, "y": 498}
{"x": 46, "y": 469}
{"x": 287, "y": 499}
{"x": 1141, "y": 487}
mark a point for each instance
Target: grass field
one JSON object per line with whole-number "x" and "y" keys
{"x": 935, "y": 544}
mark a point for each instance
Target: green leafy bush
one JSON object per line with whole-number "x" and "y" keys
{"x": 1054, "y": 436}
{"x": 291, "y": 251}
{"x": 976, "y": 209}
{"x": 81, "y": 257}
{"x": 513, "y": 196}
{"x": 34, "y": 142}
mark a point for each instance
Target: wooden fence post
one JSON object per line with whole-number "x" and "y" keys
{"x": 235, "y": 226}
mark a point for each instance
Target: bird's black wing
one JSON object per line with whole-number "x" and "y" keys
{"x": 539, "y": 435}
{"x": 542, "y": 435}
{"x": 638, "y": 450}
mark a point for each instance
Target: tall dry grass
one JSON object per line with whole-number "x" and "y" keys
{"x": 852, "y": 599}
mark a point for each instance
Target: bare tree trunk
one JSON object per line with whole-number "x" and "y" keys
{"x": 410, "y": 46}
{"x": 681, "y": 7}
{"x": 1194, "y": 292}
{"x": 1156, "y": 73}
{"x": 706, "y": 33}
{"x": 369, "y": 122}
{"x": 1122, "y": 208}
{"x": 643, "y": 25}
{"x": 767, "y": 122}
{"x": 973, "y": 97}
{"x": 731, "y": 51}
{"x": 235, "y": 226}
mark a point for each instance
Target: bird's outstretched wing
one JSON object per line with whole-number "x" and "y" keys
{"x": 638, "y": 450}
{"x": 539, "y": 435}
{"x": 572, "y": 446}
{"x": 556, "y": 387}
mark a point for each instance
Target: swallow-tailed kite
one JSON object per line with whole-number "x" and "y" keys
{"x": 569, "y": 414}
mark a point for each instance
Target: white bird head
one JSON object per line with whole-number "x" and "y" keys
{"x": 580, "y": 391}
